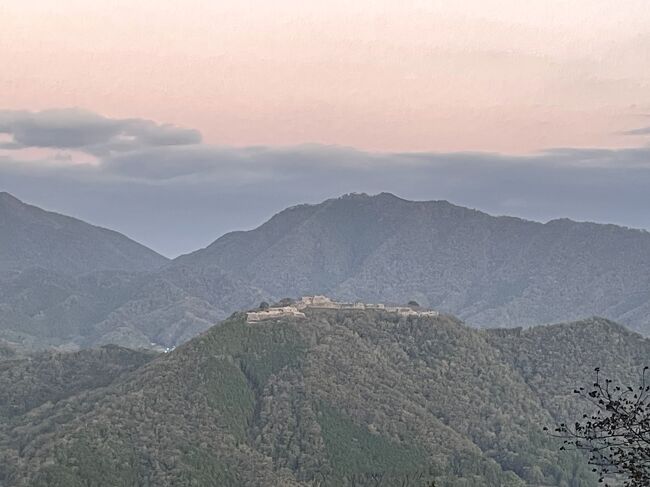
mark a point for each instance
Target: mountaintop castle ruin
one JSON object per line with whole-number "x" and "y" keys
{"x": 296, "y": 310}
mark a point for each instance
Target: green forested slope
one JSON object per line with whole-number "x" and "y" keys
{"x": 554, "y": 360}
{"x": 28, "y": 381}
{"x": 332, "y": 400}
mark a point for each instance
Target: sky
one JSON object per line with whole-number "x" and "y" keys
{"x": 176, "y": 121}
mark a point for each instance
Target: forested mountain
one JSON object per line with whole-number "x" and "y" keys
{"x": 88, "y": 286}
{"x": 29, "y": 381}
{"x": 7, "y": 352}
{"x": 41, "y": 309}
{"x": 67, "y": 284}
{"x": 31, "y": 237}
{"x": 338, "y": 398}
{"x": 554, "y": 358}
{"x": 490, "y": 271}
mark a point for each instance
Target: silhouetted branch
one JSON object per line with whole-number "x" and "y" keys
{"x": 616, "y": 436}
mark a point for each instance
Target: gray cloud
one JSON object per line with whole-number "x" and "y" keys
{"x": 236, "y": 166}
{"x": 89, "y": 132}
{"x": 177, "y": 198}
{"x": 639, "y": 131}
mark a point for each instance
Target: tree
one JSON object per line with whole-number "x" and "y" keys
{"x": 414, "y": 304}
{"x": 616, "y": 436}
{"x": 264, "y": 305}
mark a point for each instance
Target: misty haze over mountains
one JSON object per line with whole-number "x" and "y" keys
{"x": 67, "y": 283}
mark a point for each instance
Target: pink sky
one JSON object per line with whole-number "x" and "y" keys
{"x": 473, "y": 75}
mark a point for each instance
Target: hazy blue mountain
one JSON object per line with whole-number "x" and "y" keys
{"x": 490, "y": 271}
{"x": 66, "y": 283}
{"x": 333, "y": 400}
{"x": 31, "y": 237}
{"x": 41, "y": 309}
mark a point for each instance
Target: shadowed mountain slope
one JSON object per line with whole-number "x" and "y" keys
{"x": 69, "y": 284}
{"x": 31, "y": 237}
{"x": 41, "y": 309}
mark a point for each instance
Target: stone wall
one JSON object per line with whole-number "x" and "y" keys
{"x": 323, "y": 302}
{"x": 280, "y": 312}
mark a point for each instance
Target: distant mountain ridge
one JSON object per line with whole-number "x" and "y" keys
{"x": 490, "y": 271}
{"x": 59, "y": 276}
{"x": 31, "y": 237}
{"x": 68, "y": 284}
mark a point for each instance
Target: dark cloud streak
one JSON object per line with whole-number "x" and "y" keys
{"x": 639, "y": 131}
{"x": 89, "y": 132}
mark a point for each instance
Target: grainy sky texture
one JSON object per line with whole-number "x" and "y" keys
{"x": 175, "y": 121}
{"x": 390, "y": 75}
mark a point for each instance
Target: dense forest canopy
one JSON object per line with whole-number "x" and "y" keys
{"x": 336, "y": 399}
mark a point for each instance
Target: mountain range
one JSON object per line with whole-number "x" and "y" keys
{"x": 339, "y": 398}
{"x": 68, "y": 284}
{"x": 34, "y": 238}
{"x": 355, "y": 397}
{"x": 490, "y": 271}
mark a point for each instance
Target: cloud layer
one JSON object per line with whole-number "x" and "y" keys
{"x": 639, "y": 131}
{"x": 89, "y": 132}
{"x": 160, "y": 185}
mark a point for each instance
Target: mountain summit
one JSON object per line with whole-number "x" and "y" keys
{"x": 490, "y": 271}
